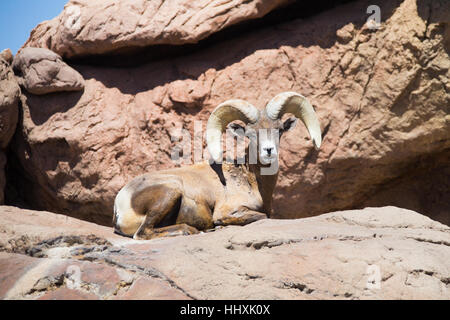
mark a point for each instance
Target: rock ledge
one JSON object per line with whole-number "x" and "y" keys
{"x": 374, "y": 253}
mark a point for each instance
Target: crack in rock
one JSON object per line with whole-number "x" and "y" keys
{"x": 148, "y": 271}
{"x": 37, "y": 248}
{"x": 303, "y": 288}
{"x": 260, "y": 244}
{"x": 438, "y": 242}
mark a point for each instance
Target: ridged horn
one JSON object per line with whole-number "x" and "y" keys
{"x": 299, "y": 106}
{"x": 221, "y": 116}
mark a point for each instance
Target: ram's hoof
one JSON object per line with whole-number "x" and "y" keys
{"x": 169, "y": 231}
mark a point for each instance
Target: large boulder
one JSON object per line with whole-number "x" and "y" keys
{"x": 90, "y": 27}
{"x": 375, "y": 253}
{"x": 381, "y": 96}
{"x": 9, "y": 110}
{"x": 42, "y": 71}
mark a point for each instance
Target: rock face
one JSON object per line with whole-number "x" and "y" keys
{"x": 6, "y": 55}
{"x": 9, "y": 99}
{"x": 89, "y": 27}
{"x": 375, "y": 253}
{"x": 381, "y": 96}
{"x": 42, "y": 71}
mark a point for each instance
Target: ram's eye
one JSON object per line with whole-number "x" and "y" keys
{"x": 236, "y": 126}
{"x": 237, "y": 129}
{"x": 289, "y": 124}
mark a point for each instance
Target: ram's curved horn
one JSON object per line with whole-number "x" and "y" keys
{"x": 221, "y": 116}
{"x": 299, "y": 106}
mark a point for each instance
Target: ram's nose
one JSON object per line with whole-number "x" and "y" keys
{"x": 269, "y": 150}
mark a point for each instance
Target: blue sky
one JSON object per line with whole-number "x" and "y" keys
{"x": 19, "y": 17}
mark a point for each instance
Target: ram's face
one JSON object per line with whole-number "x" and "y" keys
{"x": 264, "y": 136}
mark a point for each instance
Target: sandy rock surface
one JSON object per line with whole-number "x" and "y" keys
{"x": 374, "y": 253}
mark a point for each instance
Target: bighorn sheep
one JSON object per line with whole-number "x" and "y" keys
{"x": 198, "y": 197}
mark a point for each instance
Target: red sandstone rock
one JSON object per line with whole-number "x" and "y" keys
{"x": 7, "y": 56}
{"x": 67, "y": 294}
{"x": 42, "y": 71}
{"x": 89, "y": 27}
{"x": 9, "y": 110}
{"x": 151, "y": 289}
{"x": 374, "y": 253}
{"x": 9, "y": 98}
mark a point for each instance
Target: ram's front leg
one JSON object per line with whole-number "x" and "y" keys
{"x": 169, "y": 231}
{"x": 241, "y": 216}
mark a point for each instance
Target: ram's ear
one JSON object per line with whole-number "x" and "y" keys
{"x": 289, "y": 123}
{"x": 237, "y": 130}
